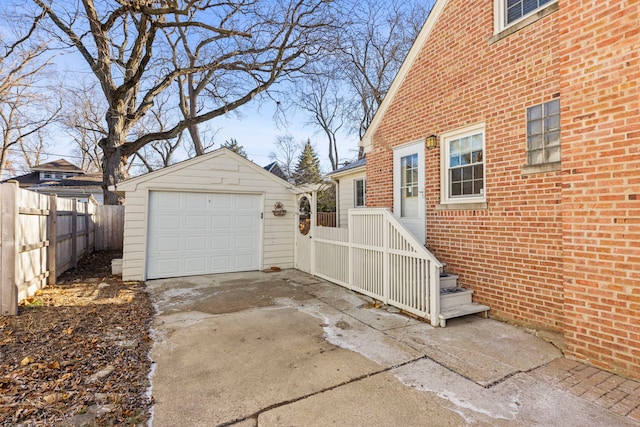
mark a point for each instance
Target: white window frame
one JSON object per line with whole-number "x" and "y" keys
{"x": 500, "y": 15}
{"x": 445, "y": 138}
{"x": 364, "y": 192}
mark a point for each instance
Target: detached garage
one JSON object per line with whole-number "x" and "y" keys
{"x": 210, "y": 214}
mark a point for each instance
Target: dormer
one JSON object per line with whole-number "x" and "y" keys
{"x": 57, "y": 170}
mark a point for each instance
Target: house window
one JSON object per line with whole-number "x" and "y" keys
{"x": 543, "y": 133}
{"x": 360, "y": 193}
{"x": 463, "y": 166}
{"x": 516, "y": 9}
{"x": 511, "y": 15}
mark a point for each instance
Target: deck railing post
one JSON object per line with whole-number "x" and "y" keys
{"x": 385, "y": 259}
{"x": 434, "y": 294}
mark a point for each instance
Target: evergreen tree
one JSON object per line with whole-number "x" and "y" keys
{"x": 308, "y": 168}
{"x": 232, "y": 144}
{"x": 307, "y": 171}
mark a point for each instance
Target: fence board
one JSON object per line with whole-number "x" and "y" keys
{"x": 42, "y": 236}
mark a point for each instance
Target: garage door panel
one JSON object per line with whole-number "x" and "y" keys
{"x": 196, "y": 201}
{"x": 195, "y": 243}
{"x": 196, "y": 265}
{"x": 165, "y": 244}
{"x": 201, "y": 233}
{"x": 164, "y": 266}
{"x": 222, "y": 201}
{"x": 244, "y": 242}
{"x": 245, "y": 202}
{"x": 195, "y": 222}
{"x": 168, "y": 222}
{"x": 221, "y": 263}
{"x": 222, "y": 222}
{"x": 221, "y": 242}
{"x": 164, "y": 200}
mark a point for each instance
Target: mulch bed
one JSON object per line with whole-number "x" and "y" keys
{"x": 77, "y": 353}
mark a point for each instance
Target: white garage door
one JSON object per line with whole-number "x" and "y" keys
{"x": 202, "y": 233}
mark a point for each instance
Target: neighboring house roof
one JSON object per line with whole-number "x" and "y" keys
{"x": 275, "y": 169}
{"x": 87, "y": 180}
{"x": 60, "y": 165}
{"x": 79, "y": 179}
{"x": 353, "y": 167}
{"x": 425, "y": 32}
{"x": 132, "y": 183}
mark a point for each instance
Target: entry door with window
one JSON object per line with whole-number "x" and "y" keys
{"x": 408, "y": 188}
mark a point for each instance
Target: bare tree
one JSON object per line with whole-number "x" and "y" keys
{"x": 321, "y": 96}
{"x": 24, "y": 108}
{"x": 286, "y": 154}
{"x": 83, "y": 120}
{"x": 345, "y": 90}
{"x": 255, "y": 44}
{"x": 159, "y": 153}
{"x": 373, "y": 47}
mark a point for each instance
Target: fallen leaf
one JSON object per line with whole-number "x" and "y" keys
{"x": 55, "y": 397}
{"x": 68, "y": 331}
{"x": 54, "y": 365}
{"x": 26, "y": 361}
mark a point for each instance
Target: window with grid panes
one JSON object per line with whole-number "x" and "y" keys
{"x": 543, "y": 133}
{"x": 516, "y": 9}
{"x": 465, "y": 163}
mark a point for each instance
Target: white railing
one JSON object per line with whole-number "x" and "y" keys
{"x": 378, "y": 257}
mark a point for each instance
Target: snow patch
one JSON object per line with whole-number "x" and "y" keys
{"x": 468, "y": 399}
{"x": 352, "y": 334}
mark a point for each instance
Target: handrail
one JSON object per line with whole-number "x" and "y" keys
{"x": 415, "y": 243}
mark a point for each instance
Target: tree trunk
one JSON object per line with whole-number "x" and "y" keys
{"x": 114, "y": 159}
{"x": 195, "y": 137}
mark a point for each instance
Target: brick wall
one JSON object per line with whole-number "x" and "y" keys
{"x": 600, "y": 74}
{"x": 510, "y": 253}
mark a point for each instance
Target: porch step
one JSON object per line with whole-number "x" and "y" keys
{"x": 462, "y": 310}
{"x": 451, "y": 297}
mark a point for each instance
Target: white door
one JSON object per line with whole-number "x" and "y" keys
{"x": 408, "y": 188}
{"x": 202, "y": 233}
{"x": 304, "y": 233}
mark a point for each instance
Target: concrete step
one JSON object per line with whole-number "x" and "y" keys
{"x": 451, "y": 297}
{"x": 448, "y": 281}
{"x": 462, "y": 310}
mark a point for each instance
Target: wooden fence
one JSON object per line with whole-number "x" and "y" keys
{"x": 326, "y": 219}
{"x": 43, "y": 236}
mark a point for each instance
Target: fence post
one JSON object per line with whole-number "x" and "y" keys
{"x": 74, "y": 233}
{"x": 9, "y": 241}
{"x": 86, "y": 229}
{"x": 52, "y": 231}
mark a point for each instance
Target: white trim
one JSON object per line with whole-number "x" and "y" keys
{"x": 444, "y": 164}
{"x": 425, "y": 32}
{"x": 416, "y": 225}
{"x": 500, "y": 16}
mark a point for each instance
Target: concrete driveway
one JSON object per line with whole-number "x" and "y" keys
{"x": 288, "y": 349}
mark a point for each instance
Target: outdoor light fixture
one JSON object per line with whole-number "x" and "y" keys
{"x": 432, "y": 142}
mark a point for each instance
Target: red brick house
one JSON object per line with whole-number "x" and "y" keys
{"x": 532, "y": 193}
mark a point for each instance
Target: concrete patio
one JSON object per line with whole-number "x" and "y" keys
{"x": 288, "y": 349}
